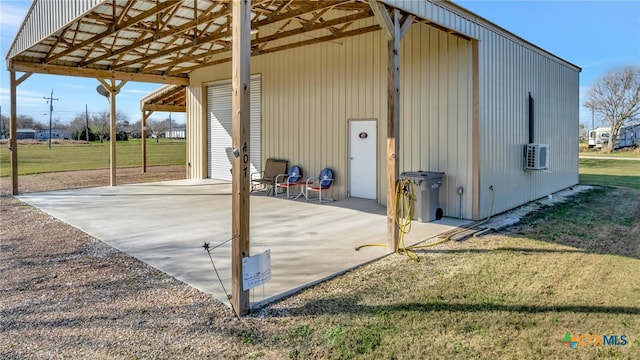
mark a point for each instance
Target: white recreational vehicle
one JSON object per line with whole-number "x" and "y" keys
{"x": 628, "y": 136}
{"x": 598, "y": 137}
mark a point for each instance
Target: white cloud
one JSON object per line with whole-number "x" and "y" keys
{"x": 134, "y": 91}
{"x": 25, "y": 98}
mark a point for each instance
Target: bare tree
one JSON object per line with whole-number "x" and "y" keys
{"x": 158, "y": 127}
{"x": 22, "y": 122}
{"x": 27, "y": 122}
{"x": 78, "y": 123}
{"x": 617, "y": 98}
{"x": 4, "y": 127}
{"x": 135, "y": 130}
{"x": 99, "y": 125}
{"x": 582, "y": 131}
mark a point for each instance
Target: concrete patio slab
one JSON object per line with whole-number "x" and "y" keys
{"x": 165, "y": 225}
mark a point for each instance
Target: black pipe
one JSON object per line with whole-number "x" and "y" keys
{"x": 531, "y": 127}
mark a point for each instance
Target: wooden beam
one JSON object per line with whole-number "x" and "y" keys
{"x": 162, "y": 34}
{"x": 114, "y": 28}
{"x": 95, "y": 73}
{"x": 345, "y": 34}
{"x": 320, "y": 39}
{"x": 241, "y": 70}
{"x": 22, "y": 78}
{"x": 406, "y": 25}
{"x": 13, "y": 133}
{"x": 162, "y": 107}
{"x": 308, "y": 7}
{"x": 264, "y": 40}
{"x": 383, "y": 18}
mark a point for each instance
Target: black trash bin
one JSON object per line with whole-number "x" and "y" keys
{"x": 426, "y": 186}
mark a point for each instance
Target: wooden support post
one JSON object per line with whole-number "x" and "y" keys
{"x": 145, "y": 116}
{"x": 13, "y": 133}
{"x": 399, "y": 28}
{"x": 114, "y": 89}
{"x": 241, "y": 70}
{"x": 112, "y": 137}
{"x": 393, "y": 130}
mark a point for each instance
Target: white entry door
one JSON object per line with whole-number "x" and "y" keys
{"x": 363, "y": 174}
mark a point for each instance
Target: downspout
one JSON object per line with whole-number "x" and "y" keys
{"x": 531, "y": 120}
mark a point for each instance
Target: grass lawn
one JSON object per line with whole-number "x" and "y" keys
{"x": 610, "y": 172}
{"x": 38, "y": 158}
{"x": 571, "y": 268}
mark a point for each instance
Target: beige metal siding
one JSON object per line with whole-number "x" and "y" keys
{"x": 196, "y": 132}
{"x": 508, "y": 72}
{"x": 509, "y": 68}
{"x": 436, "y": 111}
{"x": 309, "y": 94}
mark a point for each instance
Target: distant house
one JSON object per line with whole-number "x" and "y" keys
{"x": 25, "y": 134}
{"x": 177, "y": 133}
{"x": 55, "y": 134}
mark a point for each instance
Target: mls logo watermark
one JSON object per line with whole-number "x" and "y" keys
{"x": 585, "y": 340}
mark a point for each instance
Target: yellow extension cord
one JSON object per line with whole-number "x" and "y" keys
{"x": 403, "y": 214}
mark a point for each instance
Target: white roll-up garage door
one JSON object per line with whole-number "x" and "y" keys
{"x": 219, "y": 128}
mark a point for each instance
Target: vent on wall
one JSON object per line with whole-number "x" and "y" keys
{"x": 536, "y": 156}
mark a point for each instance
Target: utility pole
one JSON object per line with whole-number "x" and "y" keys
{"x": 50, "y": 100}
{"x": 170, "y": 126}
{"x": 86, "y": 120}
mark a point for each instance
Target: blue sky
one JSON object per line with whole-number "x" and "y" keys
{"x": 73, "y": 92}
{"x": 598, "y": 36}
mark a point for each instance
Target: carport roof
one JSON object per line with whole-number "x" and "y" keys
{"x": 162, "y": 41}
{"x": 165, "y": 98}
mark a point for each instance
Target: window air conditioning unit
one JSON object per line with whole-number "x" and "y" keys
{"x": 536, "y": 156}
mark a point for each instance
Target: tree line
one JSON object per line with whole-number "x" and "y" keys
{"x": 98, "y": 126}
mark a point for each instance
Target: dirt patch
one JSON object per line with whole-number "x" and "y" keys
{"x": 68, "y": 295}
{"x": 90, "y": 178}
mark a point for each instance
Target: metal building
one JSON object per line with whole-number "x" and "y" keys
{"x": 465, "y": 86}
{"x": 369, "y": 88}
{"x": 320, "y": 73}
